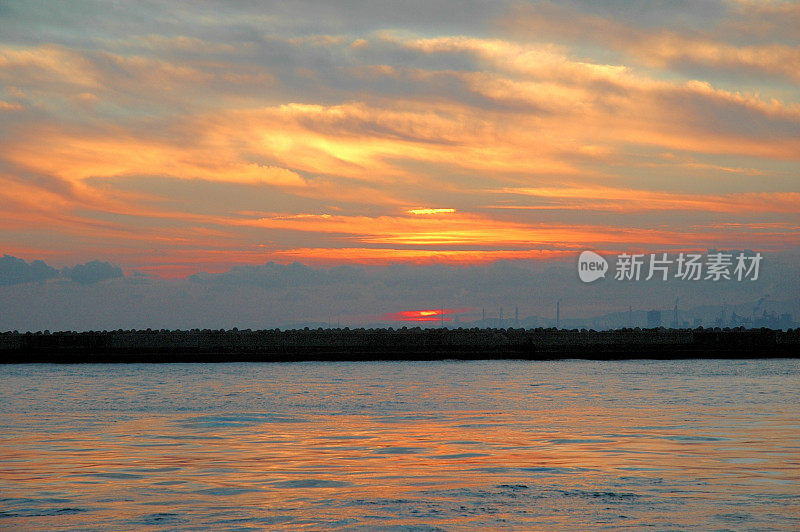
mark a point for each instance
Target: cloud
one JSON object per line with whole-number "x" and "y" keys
{"x": 10, "y": 106}
{"x": 429, "y": 211}
{"x": 92, "y": 272}
{"x": 14, "y": 270}
{"x": 673, "y": 43}
{"x": 630, "y": 200}
{"x": 769, "y": 21}
{"x": 277, "y": 275}
{"x": 171, "y": 141}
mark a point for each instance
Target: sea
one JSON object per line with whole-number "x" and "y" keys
{"x": 402, "y": 446}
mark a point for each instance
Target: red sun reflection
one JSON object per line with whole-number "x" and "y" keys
{"x": 438, "y": 314}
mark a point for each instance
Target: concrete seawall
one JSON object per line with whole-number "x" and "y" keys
{"x": 394, "y": 344}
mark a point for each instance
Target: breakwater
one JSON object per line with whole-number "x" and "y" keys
{"x": 273, "y": 345}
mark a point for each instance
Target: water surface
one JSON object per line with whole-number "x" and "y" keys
{"x": 401, "y": 445}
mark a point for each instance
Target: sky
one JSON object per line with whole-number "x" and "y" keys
{"x": 172, "y": 138}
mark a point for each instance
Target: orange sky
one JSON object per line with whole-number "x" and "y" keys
{"x": 171, "y": 140}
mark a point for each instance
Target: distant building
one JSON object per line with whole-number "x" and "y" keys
{"x": 653, "y": 319}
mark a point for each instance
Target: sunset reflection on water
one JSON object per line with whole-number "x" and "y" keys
{"x": 502, "y": 444}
